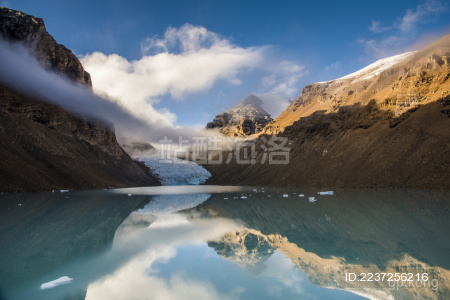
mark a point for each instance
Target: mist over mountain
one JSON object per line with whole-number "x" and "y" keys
{"x": 43, "y": 145}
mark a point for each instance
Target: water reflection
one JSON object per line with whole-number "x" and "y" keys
{"x": 223, "y": 243}
{"x": 356, "y": 231}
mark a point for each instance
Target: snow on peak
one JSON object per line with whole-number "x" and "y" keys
{"x": 377, "y": 67}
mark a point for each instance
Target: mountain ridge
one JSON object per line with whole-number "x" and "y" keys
{"x": 392, "y": 130}
{"x": 45, "y": 147}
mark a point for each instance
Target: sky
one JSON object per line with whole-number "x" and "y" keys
{"x": 182, "y": 62}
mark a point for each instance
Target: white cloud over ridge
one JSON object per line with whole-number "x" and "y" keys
{"x": 184, "y": 61}
{"x": 21, "y": 71}
{"x": 187, "y": 60}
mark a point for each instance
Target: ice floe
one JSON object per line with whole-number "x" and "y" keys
{"x": 326, "y": 193}
{"x": 56, "y": 282}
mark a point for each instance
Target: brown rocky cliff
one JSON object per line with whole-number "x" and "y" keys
{"x": 42, "y": 145}
{"x": 396, "y": 84}
{"x": 388, "y": 130}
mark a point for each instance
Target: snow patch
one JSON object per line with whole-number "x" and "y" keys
{"x": 179, "y": 172}
{"x": 56, "y": 282}
{"x": 376, "y": 68}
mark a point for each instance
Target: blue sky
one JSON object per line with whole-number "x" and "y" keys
{"x": 272, "y": 48}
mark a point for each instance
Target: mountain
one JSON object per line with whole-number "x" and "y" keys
{"x": 245, "y": 118}
{"x": 396, "y": 84}
{"x": 387, "y": 125}
{"x": 43, "y": 146}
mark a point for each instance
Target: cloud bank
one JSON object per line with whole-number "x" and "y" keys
{"x": 22, "y": 72}
{"x": 186, "y": 60}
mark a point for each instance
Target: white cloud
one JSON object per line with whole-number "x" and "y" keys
{"x": 334, "y": 66}
{"x": 378, "y": 27}
{"x": 384, "y": 47}
{"x": 402, "y": 30}
{"x": 423, "y": 13}
{"x": 187, "y": 60}
{"x": 284, "y": 77}
{"x": 274, "y": 102}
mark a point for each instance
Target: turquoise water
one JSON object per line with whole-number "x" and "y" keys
{"x": 213, "y": 242}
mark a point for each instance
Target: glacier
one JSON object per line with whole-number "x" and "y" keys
{"x": 178, "y": 172}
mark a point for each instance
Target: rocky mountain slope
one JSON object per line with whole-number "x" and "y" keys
{"x": 43, "y": 146}
{"x": 245, "y": 118}
{"x": 386, "y": 125}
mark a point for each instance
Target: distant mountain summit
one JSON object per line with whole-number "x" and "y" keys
{"x": 245, "y": 118}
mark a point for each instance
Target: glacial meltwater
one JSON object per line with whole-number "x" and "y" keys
{"x": 217, "y": 242}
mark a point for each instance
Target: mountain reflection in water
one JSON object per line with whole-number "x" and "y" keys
{"x": 223, "y": 243}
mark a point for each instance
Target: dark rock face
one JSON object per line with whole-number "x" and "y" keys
{"x": 19, "y": 27}
{"x": 243, "y": 119}
{"x": 44, "y": 146}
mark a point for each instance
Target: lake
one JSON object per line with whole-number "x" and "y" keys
{"x": 217, "y": 242}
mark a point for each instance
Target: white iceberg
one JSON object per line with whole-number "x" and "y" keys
{"x": 301, "y": 195}
{"x": 285, "y": 195}
{"x": 312, "y": 199}
{"x": 326, "y": 193}
{"x": 56, "y": 282}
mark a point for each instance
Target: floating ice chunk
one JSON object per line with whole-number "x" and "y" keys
{"x": 63, "y": 191}
{"x": 285, "y": 195}
{"x": 301, "y": 195}
{"x": 326, "y": 193}
{"x": 20, "y": 204}
{"x": 129, "y": 195}
{"x": 56, "y": 282}
{"x": 225, "y": 198}
{"x": 312, "y": 199}
{"x": 243, "y": 197}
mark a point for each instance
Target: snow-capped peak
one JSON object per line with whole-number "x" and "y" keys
{"x": 376, "y": 68}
